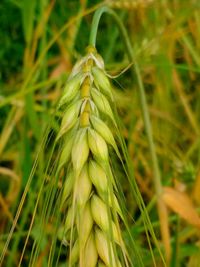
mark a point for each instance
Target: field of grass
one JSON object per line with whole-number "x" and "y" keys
{"x": 156, "y": 88}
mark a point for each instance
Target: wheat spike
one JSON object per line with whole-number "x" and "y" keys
{"x": 91, "y": 225}
{"x": 130, "y": 4}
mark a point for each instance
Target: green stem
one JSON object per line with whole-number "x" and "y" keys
{"x": 95, "y": 24}
{"x": 162, "y": 210}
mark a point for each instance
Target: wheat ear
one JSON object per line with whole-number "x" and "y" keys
{"x": 89, "y": 191}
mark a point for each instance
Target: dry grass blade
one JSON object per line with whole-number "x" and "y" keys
{"x": 180, "y": 203}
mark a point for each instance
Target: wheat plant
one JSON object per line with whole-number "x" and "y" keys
{"x": 80, "y": 196}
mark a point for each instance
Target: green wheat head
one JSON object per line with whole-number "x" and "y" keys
{"x": 91, "y": 229}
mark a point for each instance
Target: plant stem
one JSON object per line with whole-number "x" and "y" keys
{"x": 162, "y": 209}
{"x": 95, "y": 24}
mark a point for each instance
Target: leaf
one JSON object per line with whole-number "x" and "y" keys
{"x": 28, "y": 12}
{"x": 181, "y": 204}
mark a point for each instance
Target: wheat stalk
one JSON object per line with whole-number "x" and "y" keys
{"x": 89, "y": 191}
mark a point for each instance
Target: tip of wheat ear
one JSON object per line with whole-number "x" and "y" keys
{"x": 88, "y": 186}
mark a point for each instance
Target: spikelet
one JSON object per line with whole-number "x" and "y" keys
{"x": 97, "y": 145}
{"x": 71, "y": 89}
{"x": 90, "y": 253}
{"x": 84, "y": 187}
{"x": 98, "y": 177}
{"x": 88, "y": 190}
